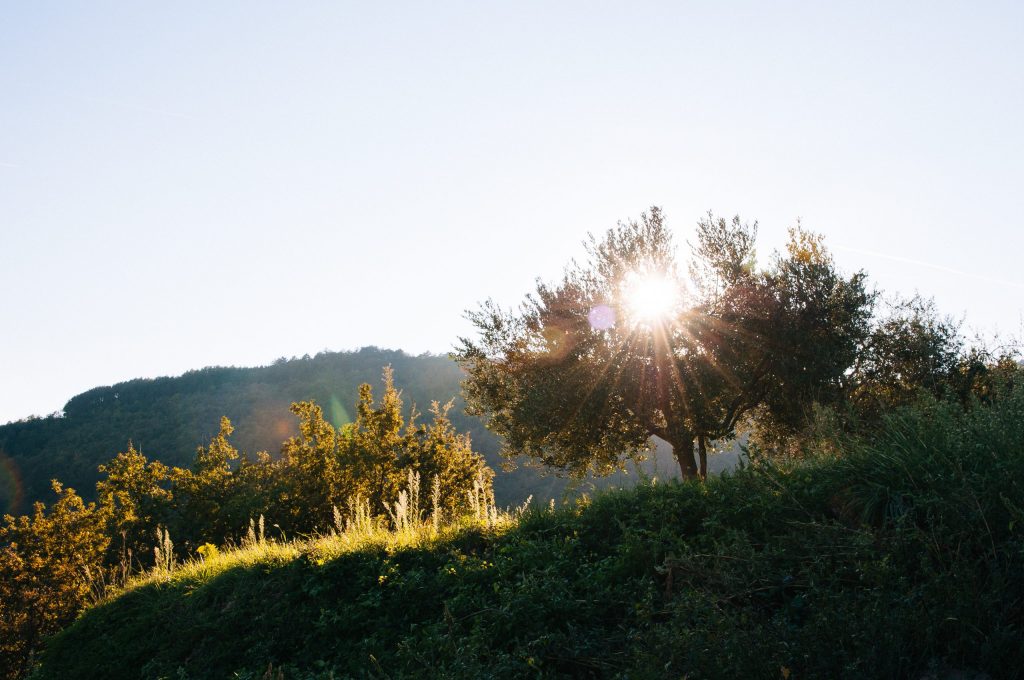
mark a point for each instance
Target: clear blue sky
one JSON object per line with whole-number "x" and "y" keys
{"x": 190, "y": 184}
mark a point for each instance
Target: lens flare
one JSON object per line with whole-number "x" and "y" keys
{"x": 338, "y": 412}
{"x": 601, "y": 317}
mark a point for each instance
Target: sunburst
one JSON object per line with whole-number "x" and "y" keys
{"x": 649, "y": 297}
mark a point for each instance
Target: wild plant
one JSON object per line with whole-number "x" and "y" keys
{"x": 360, "y": 519}
{"x": 406, "y": 514}
{"x": 435, "y": 499}
{"x": 521, "y": 510}
{"x": 477, "y": 499}
{"x": 256, "y": 534}
{"x": 413, "y": 483}
{"x": 207, "y": 551}
{"x": 339, "y": 521}
{"x": 163, "y": 552}
{"x": 491, "y": 506}
{"x": 400, "y": 515}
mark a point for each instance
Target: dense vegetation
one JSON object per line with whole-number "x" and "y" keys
{"x": 372, "y": 469}
{"x": 890, "y": 556}
{"x": 167, "y": 418}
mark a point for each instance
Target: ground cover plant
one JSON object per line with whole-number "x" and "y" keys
{"x": 898, "y": 555}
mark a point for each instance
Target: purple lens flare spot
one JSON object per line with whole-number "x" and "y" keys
{"x": 601, "y": 317}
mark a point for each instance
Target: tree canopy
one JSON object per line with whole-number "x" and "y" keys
{"x": 626, "y": 346}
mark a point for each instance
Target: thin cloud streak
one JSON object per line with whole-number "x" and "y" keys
{"x": 938, "y": 267}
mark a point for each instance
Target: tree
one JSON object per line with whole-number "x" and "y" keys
{"x": 311, "y": 473}
{"x": 445, "y": 462}
{"x": 624, "y": 348}
{"x": 818, "y": 331}
{"x": 50, "y": 565}
{"x": 911, "y": 349}
{"x": 135, "y": 497}
{"x": 202, "y": 493}
{"x": 375, "y": 447}
{"x": 384, "y": 449}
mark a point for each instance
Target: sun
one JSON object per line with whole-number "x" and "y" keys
{"x": 649, "y": 297}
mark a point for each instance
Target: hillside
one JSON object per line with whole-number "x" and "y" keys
{"x": 898, "y": 557}
{"x": 167, "y": 418}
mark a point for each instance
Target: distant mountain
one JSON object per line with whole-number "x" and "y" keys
{"x": 167, "y": 418}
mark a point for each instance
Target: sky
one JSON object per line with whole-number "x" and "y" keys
{"x": 192, "y": 184}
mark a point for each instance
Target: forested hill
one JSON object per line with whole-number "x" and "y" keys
{"x": 167, "y": 418}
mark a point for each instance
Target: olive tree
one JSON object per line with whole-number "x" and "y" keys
{"x": 628, "y": 346}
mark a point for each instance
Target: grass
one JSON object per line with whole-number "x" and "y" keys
{"x": 901, "y": 557}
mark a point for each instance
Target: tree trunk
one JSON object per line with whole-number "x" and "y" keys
{"x": 702, "y": 450}
{"x": 682, "y": 449}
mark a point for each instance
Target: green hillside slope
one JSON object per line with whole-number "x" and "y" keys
{"x": 899, "y": 558}
{"x": 167, "y": 418}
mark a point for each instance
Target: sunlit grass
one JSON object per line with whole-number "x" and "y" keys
{"x": 355, "y": 530}
{"x": 200, "y": 568}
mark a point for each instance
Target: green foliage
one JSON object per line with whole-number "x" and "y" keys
{"x": 896, "y": 556}
{"x": 819, "y": 325}
{"x": 910, "y": 349}
{"x": 204, "y": 494}
{"x": 309, "y": 474}
{"x": 446, "y": 464}
{"x": 577, "y": 378}
{"x": 377, "y": 445}
{"x": 50, "y": 567}
{"x": 136, "y": 498}
{"x": 324, "y": 468}
{"x": 911, "y": 354}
